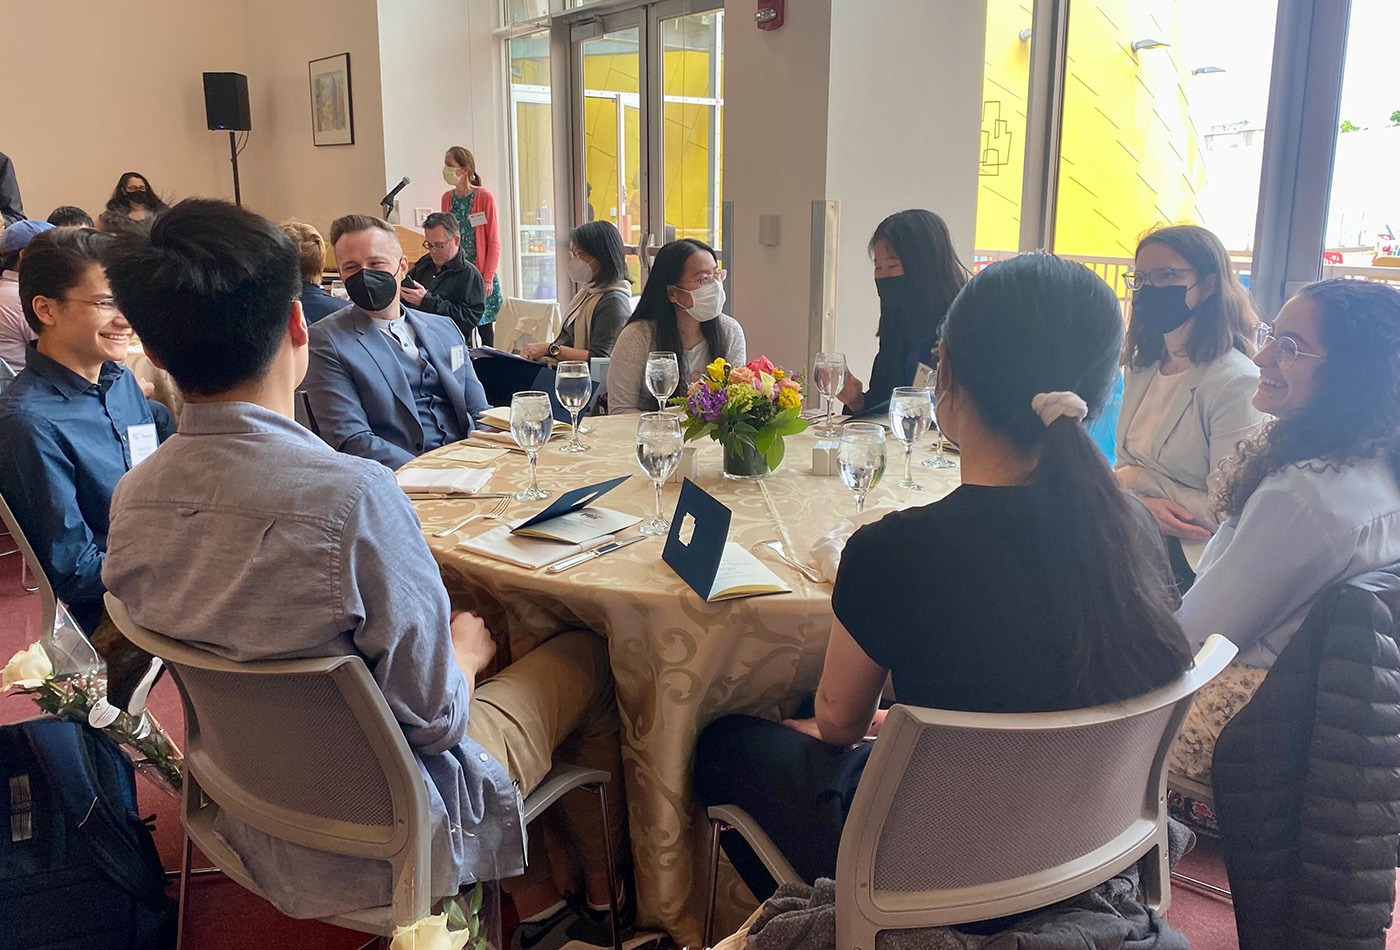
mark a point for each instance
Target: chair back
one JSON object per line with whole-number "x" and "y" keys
{"x": 598, "y": 367}
{"x": 971, "y": 816}
{"x": 522, "y": 321}
{"x": 301, "y": 411}
{"x": 410, "y": 242}
{"x": 7, "y": 376}
{"x": 48, "y": 602}
{"x": 303, "y": 750}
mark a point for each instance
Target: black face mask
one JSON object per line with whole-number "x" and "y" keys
{"x": 372, "y": 290}
{"x": 136, "y": 197}
{"x": 902, "y": 312}
{"x": 1161, "y": 309}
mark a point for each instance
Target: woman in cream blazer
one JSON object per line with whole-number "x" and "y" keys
{"x": 1189, "y": 382}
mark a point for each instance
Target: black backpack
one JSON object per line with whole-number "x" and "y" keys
{"x": 78, "y": 867}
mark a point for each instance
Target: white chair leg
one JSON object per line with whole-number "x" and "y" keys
{"x": 716, "y": 829}
{"x": 611, "y": 858}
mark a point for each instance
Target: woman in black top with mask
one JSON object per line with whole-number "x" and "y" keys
{"x": 917, "y": 274}
{"x": 134, "y": 197}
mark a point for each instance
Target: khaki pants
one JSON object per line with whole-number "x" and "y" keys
{"x": 557, "y": 703}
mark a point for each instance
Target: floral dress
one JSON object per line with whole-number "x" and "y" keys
{"x": 462, "y": 210}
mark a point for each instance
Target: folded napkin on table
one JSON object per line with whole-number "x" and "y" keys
{"x": 460, "y": 481}
{"x": 470, "y": 454}
{"x": 827, "y": 549}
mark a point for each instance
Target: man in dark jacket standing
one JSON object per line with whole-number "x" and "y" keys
{"x": 443, "y": 281}
{"x": 11, "y": 208}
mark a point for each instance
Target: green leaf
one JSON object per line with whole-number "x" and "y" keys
{"x": 764, "y": 441}
{"x": 456, "y": 917}
{"x": 697, "y": 428}
{"x": 475, "y": 901}
{"x": 774, "y": 454}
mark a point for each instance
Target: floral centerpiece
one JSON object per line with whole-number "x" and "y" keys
{"x": 747, "y": 409}
{"x": 72, "y": 697}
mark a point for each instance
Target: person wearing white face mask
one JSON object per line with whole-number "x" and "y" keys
{"x": 681, "y": 311}
{"x": 603, "y": 303}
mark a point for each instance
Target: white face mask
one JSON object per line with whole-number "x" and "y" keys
{"x": 580, "y": 271}
{"x": 706, "y": 301}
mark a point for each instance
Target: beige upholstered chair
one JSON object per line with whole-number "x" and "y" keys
{"x": 969, "y": 816}
{"x": 308, "y": 751}
{"x": 523, "y": 321}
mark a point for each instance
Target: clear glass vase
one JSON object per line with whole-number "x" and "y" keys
{"x": 748, "y": 465}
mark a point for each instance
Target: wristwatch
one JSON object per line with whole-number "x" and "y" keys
{"x": 554, "y": 349}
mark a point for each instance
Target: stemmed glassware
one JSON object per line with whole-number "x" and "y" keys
{"x": 861, "y": 458}
{"x": 659, "y": 446}
{"x": 573, "y": 384}
{"x": 531, "y": 424}
{"x": 829, "y": 371}
{"x": 939, "y": 459}
{"x": 663, "y": 376}
{"x": 910, "y": 415}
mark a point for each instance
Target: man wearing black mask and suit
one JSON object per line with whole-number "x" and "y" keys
{"x": 384, "y": 381}
{"x": 917, "y": 275}
{"x": 11, "y": 208}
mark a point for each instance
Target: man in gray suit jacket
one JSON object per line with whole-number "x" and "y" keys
{"x": 386, "y": 382}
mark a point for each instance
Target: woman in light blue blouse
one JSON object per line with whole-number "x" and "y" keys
{"x": 1311, "y": 500}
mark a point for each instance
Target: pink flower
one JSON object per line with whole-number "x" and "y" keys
{"x": 787, "y": 382}
{"x": 742, "y": 374}
{"x": 761, "y": 365}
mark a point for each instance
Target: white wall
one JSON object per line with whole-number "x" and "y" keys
{"x": 775, "y": 129}
{"x": 904, "y": 130}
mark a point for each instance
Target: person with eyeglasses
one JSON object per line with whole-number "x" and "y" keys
{"x": 603, "y": 304}
{"x": 681, "y": 311}
{"x": 1187, "y": 385}
{"x": 75, "y": 420}
{"x": 1312, "y": 499}
{"x": 443, "y": 281}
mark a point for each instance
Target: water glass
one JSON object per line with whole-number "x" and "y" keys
{"x": 573, "y": 384}
{"x": 940, "y": 458}
{"x": 910, "y": 416}
{"x": 861, "y": 458}
{"x": 663, "y": 376}
{"x": 829, "y": 371}
{"x": 659, "y": 447}
{"x": 531, "y": 424}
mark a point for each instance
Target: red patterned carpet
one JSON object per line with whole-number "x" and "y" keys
{"x": 223, "y": 916}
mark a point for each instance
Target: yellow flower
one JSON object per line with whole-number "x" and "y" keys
{"x": 789, "y": 399}
{"x": 765, "y": 384}
{"x": 778, "y": 374}
{"x": 27, "y": 669}
{"x": 716, "y": 369}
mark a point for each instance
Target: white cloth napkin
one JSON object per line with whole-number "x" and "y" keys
{"x": 827, "y": 550}
{"x": 465, "y": 481}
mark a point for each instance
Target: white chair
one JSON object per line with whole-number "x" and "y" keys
{"x": 521, "y": 321}
{"x": 963, "y": 817}
{"x": 598, "y": 367}
{"x": 7, "y": 376}
{"x": 308, "y": 751}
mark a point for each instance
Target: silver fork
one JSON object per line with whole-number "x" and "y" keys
{"x": 496, "y": 512}
{"x": 776, "y": 546}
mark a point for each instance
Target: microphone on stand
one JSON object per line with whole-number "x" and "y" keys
{"x": 388, "y": 200}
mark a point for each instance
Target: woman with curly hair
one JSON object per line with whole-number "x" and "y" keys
{"x": 1310, "y": 500}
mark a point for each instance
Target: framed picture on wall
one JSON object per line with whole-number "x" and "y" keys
{"x": 332, "y": 108}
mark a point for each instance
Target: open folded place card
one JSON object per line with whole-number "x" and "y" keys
{"x": 570, "y": 518}
{"x": 527, "y": 552}
{"x": 455, "y": 481}
{"x": 699, "y": 550}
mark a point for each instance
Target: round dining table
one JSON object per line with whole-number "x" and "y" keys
{"x": 678, "y": 662}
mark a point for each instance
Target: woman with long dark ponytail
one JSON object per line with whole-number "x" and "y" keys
{"x": 1051, "y": 584}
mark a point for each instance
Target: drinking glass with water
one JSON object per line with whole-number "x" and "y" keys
{"x": 861, "y": 458}
{"x": 663, "y": 376}
{"x": 531, "y": 424}
{"x": 573, "y": 384}
{"x": 829, "y": 371}
{"x": 910, "y": 414}
{"x": 659, "y": 447}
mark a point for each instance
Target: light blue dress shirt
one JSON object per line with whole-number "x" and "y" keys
{"x": 249, "y": 537}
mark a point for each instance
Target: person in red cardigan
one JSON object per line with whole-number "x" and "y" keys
{"x": 475, "y": 210}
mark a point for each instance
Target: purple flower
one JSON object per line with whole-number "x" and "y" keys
{"x": 705, "y": 403}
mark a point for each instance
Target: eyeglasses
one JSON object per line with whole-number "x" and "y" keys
{"x": 1157, "y": 277}
{"x": 1288, "y": 349}
{"x": 436, "y": 245}
{"x": 107, "y": 306}
{"x": 705, "y": 279}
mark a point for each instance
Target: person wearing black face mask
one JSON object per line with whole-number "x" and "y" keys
{"x": 134, "y": 198}
{"x": 917, "y": 275}
{"x": 385, "y": 381}
{"x": 1189, "y": 383}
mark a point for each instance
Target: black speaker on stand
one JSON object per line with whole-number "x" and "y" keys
{"x": 226, "y": 107}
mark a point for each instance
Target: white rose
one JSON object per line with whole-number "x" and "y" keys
{"x": 430, "y": 933}
{"x": 27, "y": 668}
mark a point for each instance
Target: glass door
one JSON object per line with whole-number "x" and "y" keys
{"x": 612, "y": 138}
{"x": 692, "y": 112}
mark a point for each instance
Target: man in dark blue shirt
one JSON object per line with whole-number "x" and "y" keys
{"x": 75, "y": 420}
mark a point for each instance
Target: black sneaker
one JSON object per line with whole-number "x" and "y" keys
{"x": 548, "y": 934}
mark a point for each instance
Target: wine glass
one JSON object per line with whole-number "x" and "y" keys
{"x": 531, "y": 423}
{"x": 659, "y": 446}
{"x": 861, "y": 458}
{"x": 940, "y": 459}
{"x": 573, "y": 384}
{"x": 910, "y": 415}
{"x": 663, "y": 376}
{"x": 830, "y": 373}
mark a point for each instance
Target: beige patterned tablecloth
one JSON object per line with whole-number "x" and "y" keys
{"x": 166, "y": 392}
{"x": 678, "y": 661}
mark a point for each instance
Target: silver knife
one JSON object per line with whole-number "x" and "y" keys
{"x": 559, "y": 567}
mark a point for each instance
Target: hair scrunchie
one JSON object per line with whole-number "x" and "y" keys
{"x": 1051, "y": 406}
